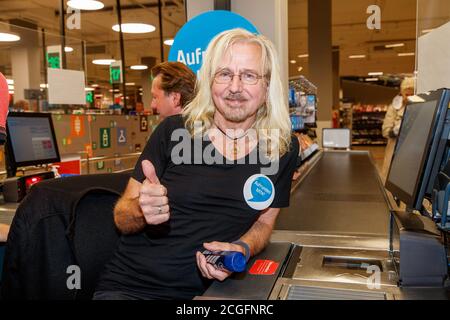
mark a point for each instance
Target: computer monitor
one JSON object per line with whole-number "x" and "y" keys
{"x": 31, "y": 140}
{"x": 421, "y": 149}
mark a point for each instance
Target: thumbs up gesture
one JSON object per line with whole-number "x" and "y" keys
{"x": 153, "y": 197}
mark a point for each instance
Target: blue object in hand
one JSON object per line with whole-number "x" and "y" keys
{"x": 226, "y": 260}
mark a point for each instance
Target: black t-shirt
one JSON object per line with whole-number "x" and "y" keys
{"x": 206, "y": 204}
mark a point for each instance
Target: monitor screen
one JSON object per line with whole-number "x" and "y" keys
{"x": 412, "y": 145}
{"x": 419, "y": 149}
{"x": 31, "y": 139}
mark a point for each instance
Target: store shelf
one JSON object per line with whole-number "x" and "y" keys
{"x": 305, "y": 155}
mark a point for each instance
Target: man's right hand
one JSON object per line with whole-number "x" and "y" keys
{"x": 153, "y": 197}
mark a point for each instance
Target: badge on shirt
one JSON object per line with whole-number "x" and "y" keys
{"x": 259, "y": 192}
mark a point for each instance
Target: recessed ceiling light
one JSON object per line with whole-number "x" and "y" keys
{"x": 94, "y": 85}
{"x": 293, "y": 61}
{"x": 168, "y": 42}
{"x": 85, "y": 4}
{"x": 300, "y": 69}
{"x": 303, "y": 56}
{"x": 375, "y": 73}
{"x": 68, "y": 49}
{"x": 394, "y": 45}
{"x": 406, "y": 54}
{"x": 10, "y": 87}
{"x": 89, "y": 89}
{"x": 103, "y": 62}
{"x": 11, "y": 91}
{"x": 134, "y": 28}
{"x": 139, "y": 67}
{"x": 8, "y": 37}
{"x": 130, "y": 84}
{"x": 43, "y": 85}
{"x": 9, "y": 81}
{"x": 357, "y": 56}
{"x": 372, "y": 79}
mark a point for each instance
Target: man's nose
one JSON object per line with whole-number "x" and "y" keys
{"x": 236, "y": 84}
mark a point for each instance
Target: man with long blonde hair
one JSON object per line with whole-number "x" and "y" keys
{"x": 211, "y": 190}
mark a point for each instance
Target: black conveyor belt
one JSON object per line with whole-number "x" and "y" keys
{"x": 341, "y": 195}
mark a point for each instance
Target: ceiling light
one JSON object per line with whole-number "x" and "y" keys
{"x": 394, "y": 45}
{"x": 406, "y": 54}
{"x": 375, "y": 73}
{"x": 130, "y": 84}
{"x": 372, "y": 79}
{"x": 94, "y": 85}
{"x": 11, "y": 91}
{"x": 357, "y": 56}
{"x": 68, "y": 49}
{"x": 139, "y": 67}
{"x": 10, "y": 87}
{"x": 134, "y": 28}
{"x": 103, "y": 62}
{"x": 85, "y": 4}
{"x": 89, "y": 89}
{"x": 8, "y": 37}
{"x": 300, "y": 69}
{"x": 303, "y": 56}
{"x": 9, "y": 81}
{"x": 293, "y": 61}
{"x": 168, "y": 42}
{"x": 43, "y": 85}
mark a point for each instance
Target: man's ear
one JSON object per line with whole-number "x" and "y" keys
{"x": 176, "y": 98}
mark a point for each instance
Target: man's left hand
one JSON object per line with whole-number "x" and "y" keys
{"x": 209, "y": 271}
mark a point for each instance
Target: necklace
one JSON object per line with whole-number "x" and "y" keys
{"x": 235, "y": 147}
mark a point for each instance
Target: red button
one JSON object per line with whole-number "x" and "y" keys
{"x": 264, "y": 267}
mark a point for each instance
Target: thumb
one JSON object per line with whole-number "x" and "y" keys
{"x": 150, "y": 172}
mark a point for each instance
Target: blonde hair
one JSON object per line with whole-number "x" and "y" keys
{"x": 273, "y": 115}
{"x": 407, "y": 83}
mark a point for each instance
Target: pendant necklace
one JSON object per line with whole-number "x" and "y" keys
{"x": 235, "y": 147}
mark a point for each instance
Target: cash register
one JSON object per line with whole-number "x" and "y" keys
{"x": 31, "y": 141}
{"x": 418, "y": 237}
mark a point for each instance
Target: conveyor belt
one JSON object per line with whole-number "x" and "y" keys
{"x": 341, "y": 195}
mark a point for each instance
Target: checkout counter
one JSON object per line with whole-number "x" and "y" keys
{"x": 330, "y": 242}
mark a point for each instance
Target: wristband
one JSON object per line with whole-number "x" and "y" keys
{"x": 246, "y": 248}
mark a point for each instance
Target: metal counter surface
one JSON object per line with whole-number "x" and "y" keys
{"x": 342, "y": 195}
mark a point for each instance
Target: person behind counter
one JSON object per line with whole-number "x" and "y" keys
{"x": 173, "y": 88}
{"x": 393, "y": 120}
{"x": 172, "y": 211}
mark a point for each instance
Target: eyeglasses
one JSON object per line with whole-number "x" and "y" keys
{"x": 247, "y": 77}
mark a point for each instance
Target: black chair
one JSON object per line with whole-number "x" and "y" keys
{"x": 62, "y": 223}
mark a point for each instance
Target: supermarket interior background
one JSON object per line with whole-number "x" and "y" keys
{"x": 82, "y": 70}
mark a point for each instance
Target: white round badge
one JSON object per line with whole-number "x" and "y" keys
{"x": 259, "y": 192}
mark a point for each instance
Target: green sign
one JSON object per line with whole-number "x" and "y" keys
{"x": 54, "y": 60}
{"x": 89, "y": 97}
{"x": 105, "y": 138}
{"x": 115, "y": 74}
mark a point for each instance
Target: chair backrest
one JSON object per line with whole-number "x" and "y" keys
{"x": 62, "y": 222}
{"x": 94, "y": 237}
